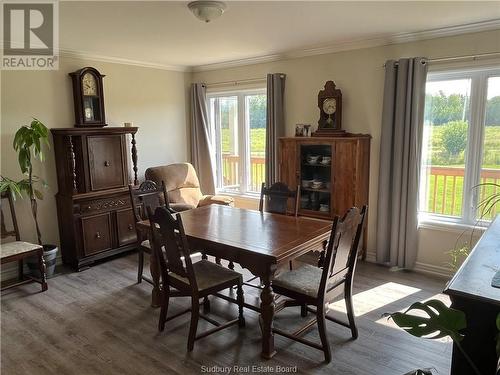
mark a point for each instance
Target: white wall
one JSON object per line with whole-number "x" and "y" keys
{"x": 155, "y": 100}
{"x": 360, "y": 76}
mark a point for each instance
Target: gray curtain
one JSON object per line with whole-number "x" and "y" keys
{"x": 201, "y": 148}
{"x": 400, "y": 150}
{"x": 275, "y": 123}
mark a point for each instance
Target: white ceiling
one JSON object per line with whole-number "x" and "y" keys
{"x": 166, "y": 33}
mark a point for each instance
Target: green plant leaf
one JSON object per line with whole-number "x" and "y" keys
{"x": 486, "y": 205}
{"x": 40, "y": 128}
{"x": 38, "y": 147}
{"x": 7, "y": 184}
{"x": 38, "y": 194}
{"x": 24, "y": 186}
{"x": 440, "y": 321}
{"x": 24, "y": 160}
{"x": 16, "y": 140}
{"x": 20, "y": 138}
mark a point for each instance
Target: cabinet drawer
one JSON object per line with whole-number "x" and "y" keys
{"x": 106, "y": 161}
{"x": 96, "y": 233}
{"x": 125, "y": 223}
{"x": 96, "y": 206}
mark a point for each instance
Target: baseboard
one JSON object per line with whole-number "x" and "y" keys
{"x": 9, "y": 270}
{"x": 425, "y": 268}
{"x": 371, "y": 257}
{"x": 431, "y": 269}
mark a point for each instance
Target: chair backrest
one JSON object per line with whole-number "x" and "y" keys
{"x": 181, "y": 182}
{"x": 342, "y": 250}
{"x": 275, "y": 198}
{"x": 148, "y": 194}
{"x": 170, "y": 244}
{"x": 5, "y": 233}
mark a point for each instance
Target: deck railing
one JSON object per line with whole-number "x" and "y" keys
{"x": 445, "y": 183}
{"x": 230, "y": 168}
{"x": 445, "y": 186}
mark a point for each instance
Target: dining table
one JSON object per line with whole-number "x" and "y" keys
{"x": 258, "y": 241}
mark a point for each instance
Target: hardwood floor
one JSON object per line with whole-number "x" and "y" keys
{"x": 99, "y": 321}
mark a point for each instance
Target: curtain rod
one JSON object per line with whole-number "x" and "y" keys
{"x": 454, "y": 58}
{"x": 236, "y": 82}
{"x": 464, "y": 57}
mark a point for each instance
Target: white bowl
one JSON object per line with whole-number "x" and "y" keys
{"x": 312, "y": 159}
{"x": 306, "y": 183}
{"x": 317, "y": 184}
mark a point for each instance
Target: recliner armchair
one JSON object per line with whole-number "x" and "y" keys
{"x": 183, "y": 187}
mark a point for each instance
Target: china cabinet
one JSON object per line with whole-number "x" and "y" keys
{"x": 93, "y": 204}
{"x": 332, "y": 172}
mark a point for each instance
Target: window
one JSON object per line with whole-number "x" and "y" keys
{"x": 238, "y": 121}
{"x": 461, "y": 145}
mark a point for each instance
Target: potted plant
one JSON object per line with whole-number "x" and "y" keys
{"x": 28, "y": 144}
{"x": 485, "y": 209}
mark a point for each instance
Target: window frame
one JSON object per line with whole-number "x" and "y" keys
{"x": 243, "y": 139}
{"x": 474, "y": 149}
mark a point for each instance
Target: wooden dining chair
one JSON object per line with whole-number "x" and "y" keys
{"x": 196, "y": 280}
{"x": 148, "y": 194}
{"x": 18, "y": 250}
{"x": 310, "y": 285}
{"x": 275, "y": 198}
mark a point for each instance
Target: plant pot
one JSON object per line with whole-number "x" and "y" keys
{"x": 49, "y": 255}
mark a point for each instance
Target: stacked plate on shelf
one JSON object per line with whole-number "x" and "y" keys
{"x": 317, "y": 184}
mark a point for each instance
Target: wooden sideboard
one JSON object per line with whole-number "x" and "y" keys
{"x": 93, "y": 204}
{"x": 471, "y": 291}
{"x": 345, "y": 177}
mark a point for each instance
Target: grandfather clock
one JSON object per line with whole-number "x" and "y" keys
{"x": 88, "y": 95}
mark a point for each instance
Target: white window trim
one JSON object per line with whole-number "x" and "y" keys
{"x": 243, "y": 141}
{"x": 473, "y": 153}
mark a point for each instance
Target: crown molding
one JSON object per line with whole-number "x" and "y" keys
{"x": 319, "y": 50}
{"x": 470, "y": 28}
{"x": 81, "y": 55}
{"x": 357, "y": 44}
{"x": 66, "y": 53}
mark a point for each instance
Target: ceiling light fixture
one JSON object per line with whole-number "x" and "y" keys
{"x": 207, "y": 10}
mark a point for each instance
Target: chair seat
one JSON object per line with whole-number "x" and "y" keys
{"x": 17, "y": 247}
{"x": 304, "y": 280}
{"x": 209, "y": 275}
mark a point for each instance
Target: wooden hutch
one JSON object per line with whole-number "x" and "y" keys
{"x": 332, "y": 172}
{"x": 93, "y": 204}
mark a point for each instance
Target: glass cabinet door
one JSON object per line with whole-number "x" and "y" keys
{"x": 316, "y": 178}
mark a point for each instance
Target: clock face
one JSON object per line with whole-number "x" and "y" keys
{"x": 329, "y": 106}
{"x": 89, "y": 85}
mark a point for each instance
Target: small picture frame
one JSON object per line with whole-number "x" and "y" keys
{"x": 306, "y": 131}
{"x": 299, "y": 130}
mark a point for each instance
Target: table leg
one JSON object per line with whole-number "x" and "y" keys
{"x": 267, "y": 307}
{"x": 155, "y": 277}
